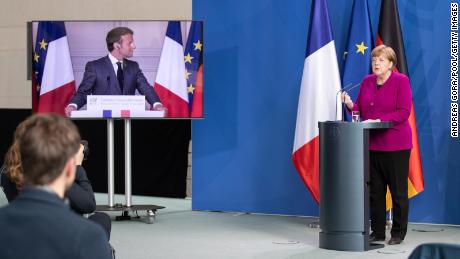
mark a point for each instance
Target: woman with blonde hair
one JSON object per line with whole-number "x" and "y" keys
{"x": 386, "y": 95}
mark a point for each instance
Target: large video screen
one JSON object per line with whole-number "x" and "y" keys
{"x": 103, "y": 69}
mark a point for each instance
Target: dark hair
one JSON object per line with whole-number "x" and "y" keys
{"x": 46, "y": 146}
{"x": 114, "y": 35}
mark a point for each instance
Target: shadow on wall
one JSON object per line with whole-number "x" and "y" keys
{"x": 220, "y": 122}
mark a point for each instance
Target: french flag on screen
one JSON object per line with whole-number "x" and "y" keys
{"x": 170, "y": 82}
{"x": 317, "y": 98}
{"x": 53, "y": 80}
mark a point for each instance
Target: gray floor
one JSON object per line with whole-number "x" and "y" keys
{"x": 179, "y": 232}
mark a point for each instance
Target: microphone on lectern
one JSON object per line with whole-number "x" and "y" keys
{"x": 346, "y": 88}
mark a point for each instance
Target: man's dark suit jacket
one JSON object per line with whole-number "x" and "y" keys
{"x": 100, "y": 79}
{"x": 80, "y": 194}
{"x": 38, "y": 224}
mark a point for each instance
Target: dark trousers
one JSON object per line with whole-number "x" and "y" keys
{"x": 103, "y": 220}
{"x": 389, "y": 168}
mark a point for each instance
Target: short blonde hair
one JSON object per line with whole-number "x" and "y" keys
{"x": 385, "y": 51}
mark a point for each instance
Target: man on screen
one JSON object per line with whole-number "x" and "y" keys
{"x": 114, "y": 74}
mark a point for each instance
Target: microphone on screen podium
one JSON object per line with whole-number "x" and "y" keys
{"x": 348, "y": 87}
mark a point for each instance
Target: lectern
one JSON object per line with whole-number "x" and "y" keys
{"x": 344, "y": 191}
{"x": 110, "y": 107}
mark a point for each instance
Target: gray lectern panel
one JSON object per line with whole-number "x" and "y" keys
{"x": 344, "y": 174}
{"x": 345, "y": 241}
{"x": 342, "y": 187}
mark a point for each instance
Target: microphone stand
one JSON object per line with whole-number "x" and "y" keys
{"x": 346, "y": 88}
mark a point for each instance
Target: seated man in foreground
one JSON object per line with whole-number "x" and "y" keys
{"x": 39, "y": 223}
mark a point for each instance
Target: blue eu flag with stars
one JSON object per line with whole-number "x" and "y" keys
{"x": 358, "y": 52}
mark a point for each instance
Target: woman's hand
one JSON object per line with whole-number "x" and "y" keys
{"x": 347, "y": 100}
